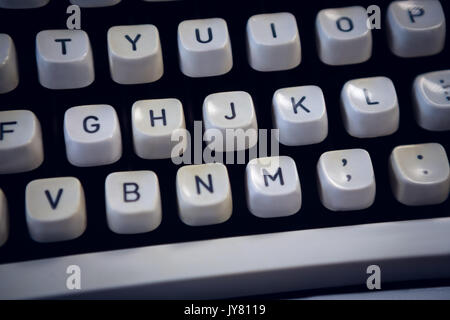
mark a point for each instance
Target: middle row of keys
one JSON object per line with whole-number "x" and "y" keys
{"x": 93, "y": 136}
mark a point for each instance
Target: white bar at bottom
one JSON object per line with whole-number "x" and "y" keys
{"x": 242, "y": 266}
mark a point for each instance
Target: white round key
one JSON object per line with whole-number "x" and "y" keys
{"x": 204, "y": 47}
{"x": 64, "y": 59}
{"x": 273, "y": 42}
{"x": 55, "y": 209}
{"x": 22, "y": 4}
{"x": 95, "y": 3}
{"x": 346, "y": 180}
{"x": 300, "y": 115}
{"x": 343, "y": 36}
{"x": 21, "y": 147}
{"x": 431, "y": 96}
{"x": 416, "y": 28}
{"x": 4, "y": 219}
{"x": 135, "y": 54}
{"x": 92, "y": 135}
{"x": 273, "y": 187}
{"x": 9, "y": 72}
{"x": 155, "y": 123}
{"x": 133, "y": 202}
{"x": 370, "y": 107}
{"x": 230, "y": 121}
{"x": 204, "y": 194}
{"x": 420, "y": 174}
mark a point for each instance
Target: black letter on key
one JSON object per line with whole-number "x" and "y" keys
{"x": 274, "y": 32}
{"x": 233, "y": 112}
{"x": 273, "y": 178}
{"x": 2, "y": 131}
{"x": 210, "y": 36}
{"x": 295, "y": 105}
{"x": 54, "y": 203}
{"x": 63, "y": 44}
{"x": 415, "y": 12}
{"x": 368, "y": 101}
{"x": 349, "y": 22}
{"x": 153, "y": 118}
{"x": 127, "y": 191}
{"x": 133, "y": 42}
{"x": 208, "y": 186}
{"x": 94, "y": 127}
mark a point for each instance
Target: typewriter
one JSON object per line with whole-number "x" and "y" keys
{"x": 220, "y": 149}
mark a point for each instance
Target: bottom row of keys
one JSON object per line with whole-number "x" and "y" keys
{"x": 56, "y": 210}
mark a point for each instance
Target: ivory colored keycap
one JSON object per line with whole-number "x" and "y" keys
{"x": 92, "y": 135}
{"x": 370, "y": 107}
{"x": 21, "y": 147}
{"x": 55, "y": 209}
{"x": 95, "y": 3}
{"x": 300, "y": 115}
{"x": 158, "y": 128}
{"x": 416, "y": 28}
{"x": 420, "y": 174}
{"x": 273, "y": 42}
{"x": 343, "y": 36}
{"x": 133, "y": 201}
{"x": 204, "y": 194}
{"x": 22, "y": 4}
{"x": 9, "y": 72}
{"x": 431, "y": 96}
{"x": 4, "y": 219}
{"x": 64, "y": 59}
{"x": 135, "y": 54}
{"x": 204, "y": 47}
{"x": 273, "y": 187}
{"x": 233, "y": 113}
{"x": 346, "y": 180}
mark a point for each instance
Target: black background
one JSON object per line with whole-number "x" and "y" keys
{"x": 50, "y": 105}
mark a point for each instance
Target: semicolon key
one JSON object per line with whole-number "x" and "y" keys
{"x": 346, "y": 180}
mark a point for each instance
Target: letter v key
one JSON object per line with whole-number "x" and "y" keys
{"x": 54, "y": 203}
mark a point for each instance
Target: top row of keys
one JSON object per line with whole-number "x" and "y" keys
{"x": 273, "y": 42}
